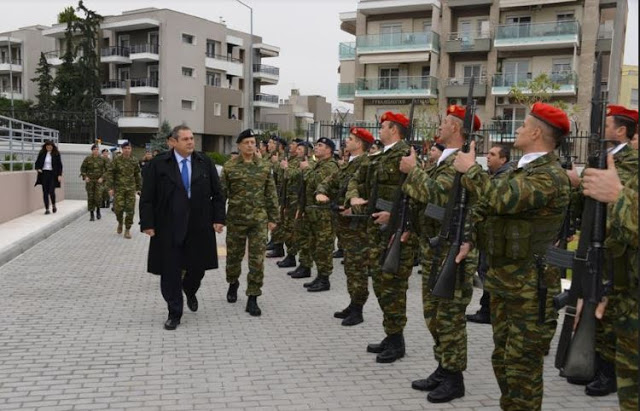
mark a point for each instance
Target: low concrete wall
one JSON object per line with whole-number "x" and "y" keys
{"x": 19, "y": 197}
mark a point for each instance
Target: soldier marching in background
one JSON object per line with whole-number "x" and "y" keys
{"x": 106, "y": 198}
{"x": 124, "y": 181}
{"x": 92, "y": 171}
{"x": 277, "y": 146}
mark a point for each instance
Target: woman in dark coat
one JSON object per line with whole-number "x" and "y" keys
{"x": 49, "y": 168}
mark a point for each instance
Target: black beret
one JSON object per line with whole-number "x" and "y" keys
{"x": 297, "y": 140}
{"x": 93, "y": 147}
{"x": 125, "y": 144}
{"x": 328, "y": 142}
{"x": 245, "y": 134}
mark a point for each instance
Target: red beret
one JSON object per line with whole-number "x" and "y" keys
{"x": 552, "y": 116}
{"x": 363, "y": 134}
{"x": 458, "y": 111}
{"x": 396, "y": 118}
{"x": 621, "y": 111}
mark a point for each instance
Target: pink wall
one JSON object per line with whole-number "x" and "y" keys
{"x": 18, "y": 196}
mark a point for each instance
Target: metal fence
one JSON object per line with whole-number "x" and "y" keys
{"x": 20, "y": 143}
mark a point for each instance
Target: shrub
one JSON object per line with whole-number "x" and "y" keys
{"x": 218, "y": 158}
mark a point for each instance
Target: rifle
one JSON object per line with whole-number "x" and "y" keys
{"x": 445, "y": 285}
{"x": 576, "y": 354}
{"x": 391, "y": 261}
{"x": 282, "y": 195}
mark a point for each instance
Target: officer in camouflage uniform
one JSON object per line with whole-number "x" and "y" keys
{"x": 124, "y": 181}
{"x": 620, "y": 126}
{"x": 445, "y": 318}
{"x": 106, "y": 199}
{"x": 519, "y": 218}
{"x": 316, "y": 218}
{"x": 622, "y": 309}
{"x": 289, "y": 170}
{"x": 383, "y": 177}
{"x": 93, "y": 170}
{"x": 277, "y": 155}
{"x": 253, "y": 209}
{"x": 351, "y": 230}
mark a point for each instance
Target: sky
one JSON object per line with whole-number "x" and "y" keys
{"x": 307, "y": 32}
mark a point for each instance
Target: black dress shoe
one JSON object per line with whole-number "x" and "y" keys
{"x": 232, "y": 293}
{"x": 479, "y": 317}
{"x": 431, "y": 382}
{"x": 47, "y": 212}
{"x": 451, "y": 387}
{"x": 278, "y": 251}
{"x": 54, "y": 209}
{"x": 394, "y": 349}
{"x": 338, "y": 253}
{"x": 377, "y": 348}
{"x": 192, "y": 303}
{"x": 344, "y": 313}
{"x": 304, "y": 272}
{"x": 171, "y": 324}
{"x": 252, "y": 306}
{"x": 289, "y": 261}
{"x": 323, "y": 284}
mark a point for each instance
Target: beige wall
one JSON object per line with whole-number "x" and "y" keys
{"x": 19, "y": 196}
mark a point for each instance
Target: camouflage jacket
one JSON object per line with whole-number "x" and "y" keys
{"x": 124, "y": 173}
{"x": 292, "y": 176}
{"x": 317, "y": 173}
{"x": 336, "y": 185}
{"x": 93, "y": 167}
{"x": 622, "y": 238}
{"x": 250, "y": 190}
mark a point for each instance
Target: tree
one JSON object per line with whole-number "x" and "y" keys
{"x": 538, "y": 90}
{"x": 159, "y": 141}
{"x": 45, "y": 84}
{"x": 88, "y": 66}
{"x": 67, "y": 82}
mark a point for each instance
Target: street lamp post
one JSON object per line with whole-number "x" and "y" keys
{"x": 251, "y": 97}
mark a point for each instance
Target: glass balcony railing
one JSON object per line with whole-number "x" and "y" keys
{"x": 115, "y": 51}
{"x": 550, "y": 32}
{"x": 13, "y": 61}
{"x": 263, "y": 68}
{"x": 560, "y": 78}
{"x": 266, "y": 98}
{"x": 418, "y": 85}
{"x": 144, "y": 82}
{"x": 114, "y": 84}
{"x": 346, "y": 91}
{"x": 347, "y": 51}
{"x": 144, "y": 48}
{"x": 398, "y": 41}
{"x": 223, "y": 57}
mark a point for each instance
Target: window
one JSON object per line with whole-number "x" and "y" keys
{"x": 565, "y": 17}
{"x": 634, "y": 97}
{"x": 471, "y": 70}
{"x": 188, "y": 38}
{"x": 389, "y": 78}
{"x": 214, "y": 79}
{"x": 521, "y": 26}
{"x": 118, "y": 105}
{"x": 217, "y": 109}
{"x": 123, "y": 73}
{"x": 188, "y": 105}
{"x": 561, "y": 65}
{"x": 391, "y": 34}
{"x": 187, "y": 72}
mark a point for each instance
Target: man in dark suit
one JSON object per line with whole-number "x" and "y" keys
{"x": 180, "y": 208}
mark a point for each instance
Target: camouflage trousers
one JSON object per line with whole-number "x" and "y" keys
{"x": 390, "y": 289}
{"x": 624, "y": 312}
{"x": 94, "y": 194}
{"x": 350, "y": 239}
{"x": 290, "y": 234}
{"x": 237, "y": 237}
{"x": 105, "y": 194}
{"x": 606, "y": 335}
{"x": 125, "y": 203}
{"x": 518, "y": 355}
{"x": 318, "y": 243}
{"x": 553, "y": 276}
{"x": 446, "y": 318}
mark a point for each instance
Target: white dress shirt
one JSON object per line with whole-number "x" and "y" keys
{"x": 446, "y": 153}
{"x": 47, "y": 162}
{"x": 179, "y": 159}
{"x": 527, "y": 158}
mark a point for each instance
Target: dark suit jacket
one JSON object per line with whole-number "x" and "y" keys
{"x": 177, "y": 219}
{"x": 56, "y": 165}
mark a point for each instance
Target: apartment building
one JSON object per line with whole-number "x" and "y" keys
{"x": 296, "y": 113}
{"x": 160, "y": 64}
{"x": 429, "y": 49}
{"x": 19, "y": 56}
{"x": 629, "y": 87}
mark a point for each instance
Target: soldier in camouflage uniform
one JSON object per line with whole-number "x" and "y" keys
{"x": 351, "y": 231}
{"x": 106, "y": 199}
{"x": 316, "y": 218}
{"x": 289, "y": 170}
{"x": 252, "y": 210}
{"x": 383, "y": 177}
{"x": 445, "y": 318}
{"x": 277, "y": 155}
{"x": 622, "y": 309}
{"x": 620, "y": 126}
{"x": 519, "y": 218}
{"x": 124, "y": 181}
{"x": 93, "y": 170}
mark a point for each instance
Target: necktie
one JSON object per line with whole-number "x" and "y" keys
{"x": 185, "y": 177}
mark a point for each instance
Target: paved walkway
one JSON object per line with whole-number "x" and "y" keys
{"x": 81, "y": 328}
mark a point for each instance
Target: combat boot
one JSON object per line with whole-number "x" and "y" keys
{"x": 119, "y": 229}
{"x": 232, "y": 293}
{"x": 278, "y": 251}
{"x": 322, "y": 284}
{"x": 604, "y": 382}
{"x": 379, "y": 347}
{"x": 127, "y": 233}
{"x": 355, "y": 316}
{"x": 298, "y": 268}
{"x": 394, "y": 349}
{"x": 252, "y": 306}
{"x": 98, "y": 215}
{"x": 270, "y": 245}
{"x": 339, "y": 253}
{"x": 451, "y": 387}
{"x": 344, "y": 313}
{"x": 313, "y": 282}
{"x": 289, "y": 261}
{"x": 304, "y": 272}
{"x": 91, "y": 216}
{"x": 431, "y": 382}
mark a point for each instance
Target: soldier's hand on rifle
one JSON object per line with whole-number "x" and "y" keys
{"x": 258, "y": 153}
{"x": 465, "y": 248}
{"x": 574, "y": 178}
{"x": 284, "y": 164}
{"x": 357, "y": 201}
{"x": 381, "y": 217}
{"x": 602, "y": 185}
{"x": 304, "y": 164}
{"x": 271, "y": 226}
{"x": 321, "y": 198}
{"x": 345, "y": 211}
{"x": 409, "y": 162}
{"x": 405, "y": 236}
{"x": 464, "y": 161}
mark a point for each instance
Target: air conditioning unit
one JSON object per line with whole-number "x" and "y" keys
{"x": 502, "y": 101}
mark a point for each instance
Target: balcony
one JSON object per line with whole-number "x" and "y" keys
{"x": 17, "y": 93}
{"x": 529, "y": 36}
{"x": 265, "y": 100}
{"x": 144, "y": 52}
{"x": 114, "y": 88}
{"x": 144, "y": 86}
{"x": 419, "y": 86}
{"x": 14, "y": 65}
{"x": 346, "y": 92}
{"x": 458, "y": 87}
{"x": 266, "y": 74}
{"x": 144, "y": 23}
{"x": 347, "y": 51}
{"x": 265, "y": 126}
{"x": 425, "y": 41}
{"x": 374, "y": 7}
{"x": 138, "y": 119}
{"x": 465, "y": 42}
{"x": 228, "y": 64}
{"x": 566, "y": 83}
{"x": 55, "y": 57}
{"x": 267, "y": 50}
{"x": 605, "y": 37}
{"x": 115, "y": 54}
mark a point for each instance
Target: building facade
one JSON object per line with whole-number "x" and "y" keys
{"x": 296, "y": 113}
{"x": 429, "y": 49}
{"x": 629, "y": 87}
